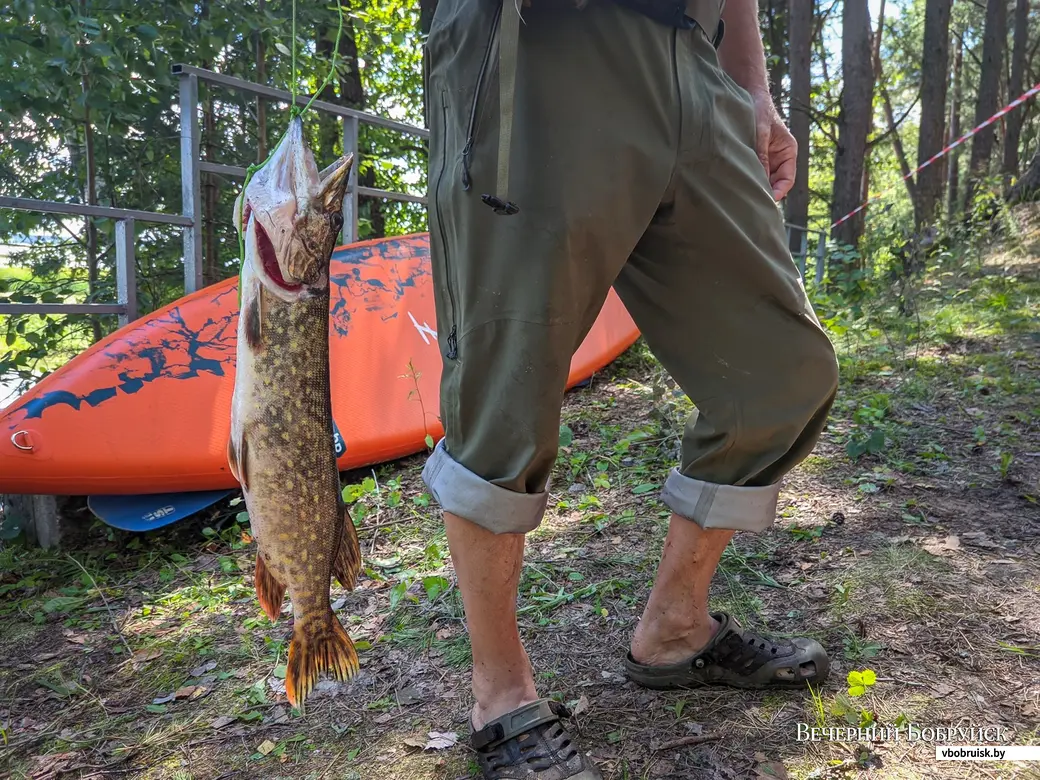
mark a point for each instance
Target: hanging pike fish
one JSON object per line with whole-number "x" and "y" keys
{"x": 281, "y": 448}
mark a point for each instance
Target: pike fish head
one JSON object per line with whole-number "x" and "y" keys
{"x": 291, "y": 215}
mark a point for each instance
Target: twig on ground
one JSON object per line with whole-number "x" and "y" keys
{"x": 108, "y": 607}
{"x": 695, "y": 739}
{"x": 332, "y": 763}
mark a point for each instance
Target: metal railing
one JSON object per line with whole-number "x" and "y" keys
{"x": 802, "y": 253}
{"x": 192, "y": 167}
{"x": 191, "y": 217}
{"x": 126, "y": 267}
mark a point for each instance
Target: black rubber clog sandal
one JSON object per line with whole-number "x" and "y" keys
{"x": 739, "y": 658}
{"x": 530, "y": 743}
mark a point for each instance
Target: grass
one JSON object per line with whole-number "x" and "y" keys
{"x": 906, "y": 543}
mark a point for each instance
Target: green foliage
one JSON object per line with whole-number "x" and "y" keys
{"x": 103, "y": 72}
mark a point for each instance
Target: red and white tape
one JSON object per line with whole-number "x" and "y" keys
{"x": 942, "y": 152}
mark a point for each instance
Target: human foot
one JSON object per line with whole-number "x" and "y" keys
{"x": 734, "y": 657}
{"x": 658, "y": 643}
{"x": 530, "y": 743}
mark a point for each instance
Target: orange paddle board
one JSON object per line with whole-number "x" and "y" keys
{"x": 147, "y": 410}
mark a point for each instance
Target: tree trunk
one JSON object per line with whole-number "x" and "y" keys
{"x": 897, "y": 145}
{"x": 953, "y": 196}
{"x": 352, "y": 93}
{"x": 934, "y": 76}
{"x": 876, "y": 81}
{"x": 989, "y": 90}
{"x": 330, "y": 128}
{"x": 1027, "y": 188}
{"x": 261, "y": 78}
{"x": 1016, "y": 85}
{"x": 211, "y": 263}
{"x": 89, "y": 191}
{"x": 427, "y": 8}
{"x": 856, "y": 110}
{"x": 800, "y": 14}
{"x": 775, "y": 38}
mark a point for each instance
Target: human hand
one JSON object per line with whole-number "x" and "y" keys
{"x": 774, "y": 144}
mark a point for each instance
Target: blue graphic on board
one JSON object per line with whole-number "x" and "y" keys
{"x": 186, "y": 352}
{"x": 151, "y": 511}
{"x": 338, "y": 441}
{"x": 146, "y": 512}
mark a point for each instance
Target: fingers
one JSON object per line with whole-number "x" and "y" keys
{"x": 784, "y": 158}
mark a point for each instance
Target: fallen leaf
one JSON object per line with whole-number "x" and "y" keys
{"x": 771, "y": 770}
{"x": 222, "y": 721}
{"x": 979, "y": 539}
{"x": 952, "y": 542}
{"x": 408, "y": 695}
{"x": 581, "y": 706}
{"x": 265, "y": 747}
{"x": 198, "y": 671}
{"x": 942, "y": 689}
{"x": 662, "y": 769}
{"x": 444, "y": 633}
{"x": 76, "y": 639}
{"x": 164, "y": 699}
{"x": 191, "y": 692}
{"x": 147, "y": 654}
{"x": 441, "y": 740}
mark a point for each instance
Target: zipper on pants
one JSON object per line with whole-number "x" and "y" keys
{"x": 449, "y": 282}
{"x": 467, "y": 149}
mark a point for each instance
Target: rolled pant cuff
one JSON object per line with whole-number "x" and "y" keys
{"x": 721, "y": 506}
{"x": 471, "y": 497}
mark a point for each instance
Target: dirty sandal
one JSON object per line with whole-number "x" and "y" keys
{"x": 530, "y": 743}
{"x": 739, "y": 658}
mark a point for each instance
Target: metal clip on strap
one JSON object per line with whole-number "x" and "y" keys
{"x": 508, "y": 52}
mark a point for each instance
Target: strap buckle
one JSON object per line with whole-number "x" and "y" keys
{"x": 506, "y": 207}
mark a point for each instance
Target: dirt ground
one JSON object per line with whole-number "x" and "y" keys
{"x": 908, "y": 543}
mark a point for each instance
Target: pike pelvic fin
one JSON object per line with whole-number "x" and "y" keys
{"x": 347, "y": 564}
{"x": 269, "y": 591}
{"x": 254, "y": 325}
{"x": 237, "y": 461}
{"x": 316, "y": 649}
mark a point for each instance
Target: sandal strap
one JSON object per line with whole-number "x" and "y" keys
{"x": 738, "y": 649}
{"x": 517, "y": 722}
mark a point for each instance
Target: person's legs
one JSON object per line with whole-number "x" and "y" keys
{"x": 593, "y": 148}
{"x": 488, "y": 568}
{"x": 717, "y": 296}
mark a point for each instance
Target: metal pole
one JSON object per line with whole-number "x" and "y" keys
{"x": 191, "y": 190}
{"x": 350, "y": 199}
{"x": 821, "y": 256}
{"x": 802, "y": 253}
{"x": 126, "y": 271}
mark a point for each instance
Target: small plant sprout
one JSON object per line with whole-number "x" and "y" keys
{"x": 860, "y": 681}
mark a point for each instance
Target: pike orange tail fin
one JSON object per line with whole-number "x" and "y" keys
{"x": 316, "y": 649}
{"x": 347, "y": 565}
{"x": 269, "y": 590}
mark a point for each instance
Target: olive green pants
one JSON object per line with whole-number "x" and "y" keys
{"x": 633, "y": 166}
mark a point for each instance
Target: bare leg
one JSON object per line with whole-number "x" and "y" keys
{"x": 675, "y": 622}
{"x": 488, "y": 567}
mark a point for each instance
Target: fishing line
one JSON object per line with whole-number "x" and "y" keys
{"x": 294, "y": 111}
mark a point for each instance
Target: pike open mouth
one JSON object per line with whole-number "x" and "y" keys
{"x": 268, "y": 257}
